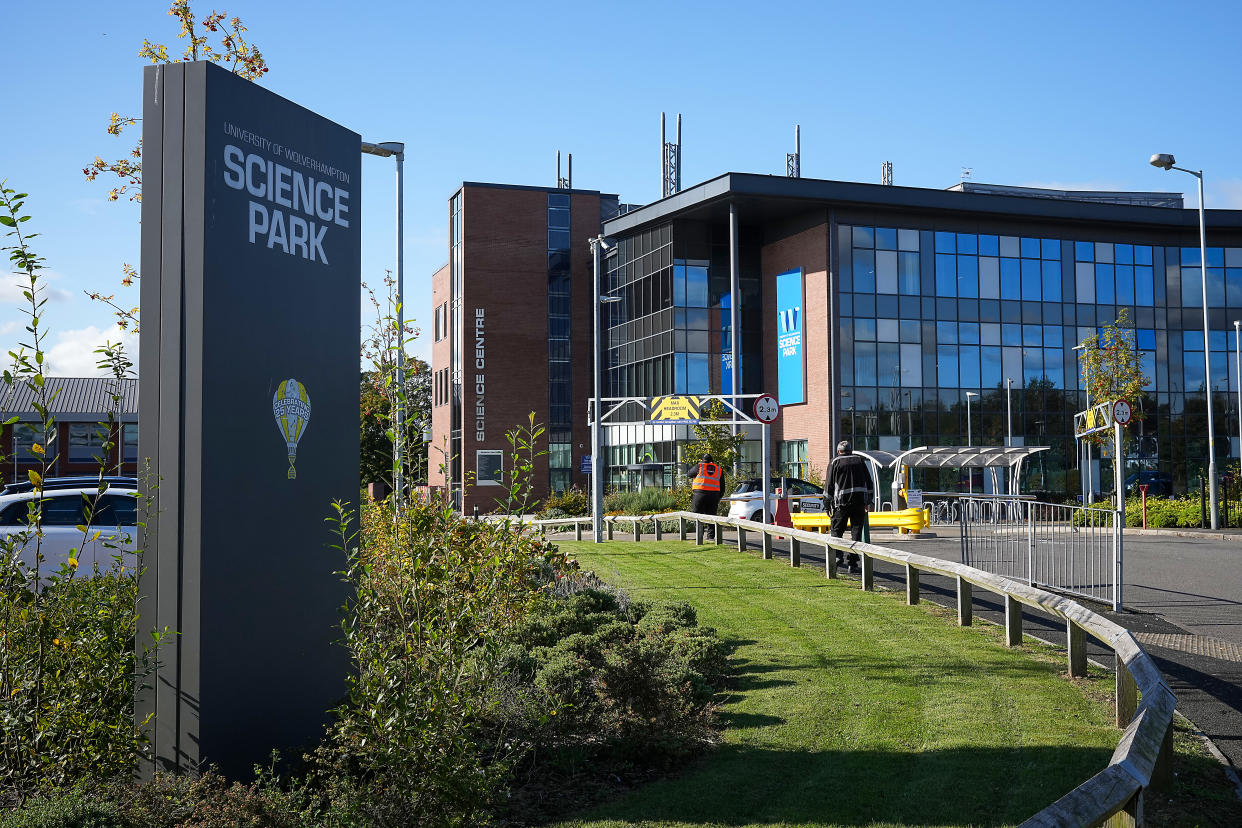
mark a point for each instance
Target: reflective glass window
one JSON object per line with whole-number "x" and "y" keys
{"x": 1054, "y": 368}
{"x": 1051, "y": 270}
{"x": 1011, "y": 334}
{"x": 989, "y": 245}
{"x": 968, "y": 333}
{"x": 864, "y": 237}
{"x": 558, "y": 239}
{"x": 1192, "y": 286}
{"x": 1190, "y": 255}
{"x": 1142, "y": 254}
{"x": 1125, "y": 281}
{"x": 696, "y": 287}
{"x": 1123, "y": 254}
{"x": 910, "y": 330}
{"x": 1009, "y": 246}
{"x": 1144, "y": 285}
{"x": 967, "y": 275}
{"x": 864, "y": 363}
{"x": 908, "y": 240}
{"x": 946, "y": 366}
{"x": 885, "y": 238}
{"x": 1011, "y": 279}
{"x": 1104, "y": 252}
{"x": 989, "y": 367}
{"x": 558, "y": 218}
{"x": 1032, "y": 280}
{"x": 989, "y": 333}
{"x": 1105, "y": 285}
{"x": 1030, "y": 248}
{"x": 1147, "y": 363}
{"x": 1192, "y": 366}
{"x": 1145, "y": 339}
{"x": 968, "y": 366}
{"x": 697, "y": 379}
{"x": 864, "y": 270}
{"x": 1216, "y": 286}
{"x": 1032, "y": 365}
{"x": 946, "y": 333}
{"x": 1233, "y": 287}
{"x": 1216, "y": 257}
{"x": 946, "y": 243}
{"x": 888, "y": 371}
{"x": 1084, "y": 282}
{"x": 1052, "y": 336}
{"x": 1012, "y": 364}
{"x": 864, "y": 329}
{"x": 967, "y": 243}
{"x": 1218, "y": 340}
{"x": 911, "y": 366}
{"x": 946, "y": 275}
{"x": 885, "y": 271}
{"x": 908, "y": 273}
{"x": 1050, "y": 248}
{"x": 1233, "y": 256}
{"x": 1032, "y": 335}
{"x": 1192, "y": 340}
{"x": 1084, "y": 251}
{"x": 886, "y": 330}
{"x": 989, "y": 276}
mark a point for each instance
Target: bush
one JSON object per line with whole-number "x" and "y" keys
{"x": 569, "y": 503}
{"x": 595, "y": 676}
{"x": 73, "y": 808}
{"x": 643, "y": 502}
{"x": 434, "y": 593}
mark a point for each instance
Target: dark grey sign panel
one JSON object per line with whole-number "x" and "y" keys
{"x": 248, "y": 411}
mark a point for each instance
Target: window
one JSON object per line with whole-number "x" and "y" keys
{"x": 793, "y": 458}
{"x": 115, "y": 510}
{"x": 130, "y": 437}
{"x": 489, "y": 467}
{"x": 26, "y": 435}
{"x": 64, "y": 510}
{"x": 86, "y": 442}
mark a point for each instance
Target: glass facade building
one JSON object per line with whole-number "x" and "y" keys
{"x": 924, "y": 296}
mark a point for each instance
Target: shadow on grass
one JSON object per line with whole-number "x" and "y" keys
{"x": 738, "y": 785}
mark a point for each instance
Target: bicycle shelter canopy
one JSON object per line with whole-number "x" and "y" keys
{"x": 966, "y": 457}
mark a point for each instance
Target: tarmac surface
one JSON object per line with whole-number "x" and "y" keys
{"x": 1182, "y": 599}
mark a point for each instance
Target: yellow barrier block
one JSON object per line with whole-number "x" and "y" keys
{"x": 906, "y": 521}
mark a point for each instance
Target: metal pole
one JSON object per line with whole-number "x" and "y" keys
{"x": 399, "y": 415}
{"x": 1207, "y": 360}
{"x": 735, "y": 314}
{"x": 767, "y": 471}
{"x": 1119, "y": 521}
{"x": 597, "y": 466}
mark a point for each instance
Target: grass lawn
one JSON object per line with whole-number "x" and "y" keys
{"x": 850, "y": 708}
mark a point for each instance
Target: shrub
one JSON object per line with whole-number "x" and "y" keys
{"x": 434, "y": 593}
{"x": 643, "y": 502}
{"x": 72, "y": 808}
{"x": 569, "y": 503}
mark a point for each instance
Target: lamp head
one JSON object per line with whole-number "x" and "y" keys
{"x": 1163, "y": 160}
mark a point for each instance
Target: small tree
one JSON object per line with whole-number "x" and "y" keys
{"x": 1111, "y": 369}
{"x": 714, "y": 437}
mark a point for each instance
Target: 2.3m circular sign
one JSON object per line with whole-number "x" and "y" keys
{"x": 767, "y": 409}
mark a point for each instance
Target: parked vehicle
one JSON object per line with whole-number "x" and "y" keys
{"x": 82, "y": 482}
{"x": 744, "y": 501}
{"x": 113, "y": 525}
{"x": 1159, "y": 484}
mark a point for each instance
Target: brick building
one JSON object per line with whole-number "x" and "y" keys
{"x": 512, "y": 337}
{"x": 80, "y": 407}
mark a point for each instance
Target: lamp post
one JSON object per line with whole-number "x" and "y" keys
{"x": 389, "y": 149}
{"x": 599, "y": 247}
{"x": 1167, "y": 162}
{"x": 970, "y": 442}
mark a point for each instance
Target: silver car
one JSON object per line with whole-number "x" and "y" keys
{"x": 113, "y": 527}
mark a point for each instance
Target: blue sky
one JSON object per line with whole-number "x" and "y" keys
{"x": 1074, "y": 95}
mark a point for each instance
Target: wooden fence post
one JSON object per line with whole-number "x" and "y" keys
{"x": 965, "y": 610}
{"x": 1076, "y": 643}
{"x": 830, "y": 560}
{"x": 795, "y": 551}
{"x": 577, "y": 531}
{"x": 1127, "y": 694}
{"x": 681, "y": 527}
{"x": 767, "y": 546}
{"x": 868, "y": 571}
{"x": 1013, "y": 622}
{"x": 912, "y": 585}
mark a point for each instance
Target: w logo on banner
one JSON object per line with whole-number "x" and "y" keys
{"x": 789, "y": 320}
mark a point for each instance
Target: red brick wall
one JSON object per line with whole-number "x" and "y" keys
{"x": 441, "y": 354}
{"x": 812, "y": 420}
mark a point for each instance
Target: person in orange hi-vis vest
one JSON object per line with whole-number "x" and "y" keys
{"x": 706, "y": 490}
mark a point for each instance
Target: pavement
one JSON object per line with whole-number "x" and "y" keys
{"x": 1182, "y": 599}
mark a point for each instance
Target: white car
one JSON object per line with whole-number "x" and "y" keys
{"x": 803, "y": 497}
{"x": 113, "y": 528}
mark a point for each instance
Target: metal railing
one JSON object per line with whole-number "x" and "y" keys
{"x": 1070, "y": 549}
{"x": 1144, "y": 703}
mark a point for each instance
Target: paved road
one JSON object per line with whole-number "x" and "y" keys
{"x": 1183, "y": 599}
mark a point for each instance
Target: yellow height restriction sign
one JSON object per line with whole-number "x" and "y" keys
{"x": 1096, "y": 418}
{"x": 677, "y": 410}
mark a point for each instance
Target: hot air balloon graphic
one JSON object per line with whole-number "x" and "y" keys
{"x": 292, "y": 409}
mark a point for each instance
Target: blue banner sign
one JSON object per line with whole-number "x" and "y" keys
{"x": 790, "y": 367}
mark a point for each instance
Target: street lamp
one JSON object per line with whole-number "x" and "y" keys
{"x": 1167, "y": 162}
{"x": 389, "y": 149}
{"x": 970, "y": 441}
{"x": 599, "y": 245}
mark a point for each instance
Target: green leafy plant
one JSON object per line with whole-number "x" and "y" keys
{"x": 1111, "y": 369}
{"x": 714, "y": 437}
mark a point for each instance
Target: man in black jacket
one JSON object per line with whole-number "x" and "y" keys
{"x": 849, "y": 492}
